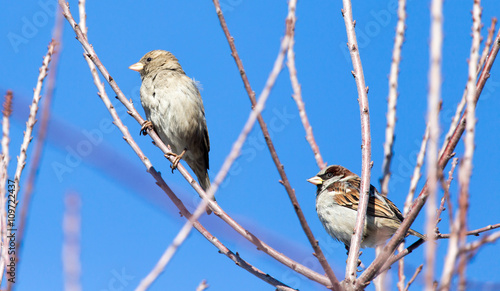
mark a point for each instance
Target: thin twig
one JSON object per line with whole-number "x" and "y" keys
{"x": 487, "y": 44}
{"x": 71, "y": 243}
{"x": 474, "y": 232}
{"x": 34, "y": 166}
{"x": 284, "y": 179}
{"x": 7, "y": 110}
{"x": 83, "y": 18}
{"x": 461, "y": 104}
{"x": 447, "y": 154}
{"x": 380, "y": 283}
{"x": 392, "y": 99}
{"x": 451, "y": 255}
{"x": 434, "y": 99}
{"x": 454, "y": 163}
{"x": 366, "y": 163}
{"x": 102, "y": 94}
{"x": 297, "y": 94}
{"x": 475, "y": 245}
{"x": 233, "y": 155}
{"x": 419, "y": 242}
{"x": 401, "y": 269}
{"x": 465, "y": 172}
{"x": 454, "y": 121}
{"x": 417, "y": 271}
{"x": 405, "y": 251}
{"x": 202, "y": 286}
{"x": 168, "y": 254}
{"x": 183, "y": 210}
{"x": 417, "y": 171}
{"x": 21, "y": 159}
{"x": 470, "y": 250}
{"x": 409, "y": 199}
{"x": 446, "y": 196}
{"x": 89, "y": 51}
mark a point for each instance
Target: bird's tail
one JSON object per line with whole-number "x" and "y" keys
{"x": 416, "y": 233}
{"x": 204, "y": 181}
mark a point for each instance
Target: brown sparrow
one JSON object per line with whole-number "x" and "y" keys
{"x": 337, "y": 200}
{"x": 174, "y": 108}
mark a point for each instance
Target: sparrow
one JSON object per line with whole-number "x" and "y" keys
{"x": 337, "y": 199}
{"x": 174, "y": 108}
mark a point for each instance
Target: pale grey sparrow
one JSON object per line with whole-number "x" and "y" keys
{"x": 174, "y": 108}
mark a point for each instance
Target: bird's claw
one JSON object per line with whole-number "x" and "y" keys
{"x": 177, "y": 159}
{"x": 145, "y": 126}
{"x": 360, "y": 267}
{"x": 360, "y": 264}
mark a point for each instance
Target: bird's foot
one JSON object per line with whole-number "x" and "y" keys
{"x": 176, "y": 160}
{"x": 360, "y": 266}
{"x": 145, "y": 126}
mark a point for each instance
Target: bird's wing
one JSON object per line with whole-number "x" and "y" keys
{"x": 206, "y": 139}
{"x": 347, "y": 195}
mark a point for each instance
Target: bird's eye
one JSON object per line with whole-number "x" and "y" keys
{"x": 148, "y": 59}
{"x": 329, "y": 175}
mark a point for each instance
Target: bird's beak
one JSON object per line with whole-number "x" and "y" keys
{"x": 137, "y": 67}
{"x": 315, "y": 180}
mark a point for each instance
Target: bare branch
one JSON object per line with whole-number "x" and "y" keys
{"x": 446, "y": 196}
{"x": 409, "y": 199}
{"x": 461, "y": 104}
{"x": 399, "y": 256}
{"x": 465, "y": 172}
{"x": 475, "y": 245}
{"x": 284, "y": 179}
{"x": 7, "y": 110}
{"x": 203, "y": 286}
{"x": 447, "y": 193}
{"x": 217, "y": 210}
{"x": 419, "y": 242}
{"x": 454, "y": 122}
{"x": 117, "y": 121}
{"x": 434, "y": 100}
{"x": 474, "y": 232}
{"x": 447, "y": 154}
{"x": 469, "y": 251}
{"x": 34, "y": 166}
{"x": 417, "y": 171}
{"x": 352, "y": 260}
{"x": 169, "y": 253}
{"x": 417, "y": 271}
{"x": 392, "y": 99}
{"x": 233, "y": 155}
{"x": 487, "y": 44}
{"x": 466, "y": 168}
{"x": 297, "y": 93}
{"x": 21, "y": 159}
{"x": 83, "y": 17}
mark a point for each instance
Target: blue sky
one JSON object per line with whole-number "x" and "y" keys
{"x": 127, "y": 221}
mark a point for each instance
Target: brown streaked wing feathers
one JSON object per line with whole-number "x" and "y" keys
{"x": 351, "y": 200}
